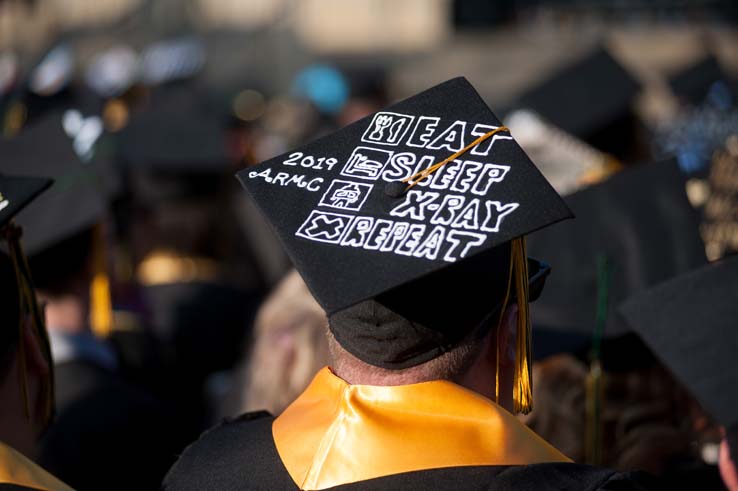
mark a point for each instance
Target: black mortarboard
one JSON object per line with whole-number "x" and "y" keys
{"x": 406, "y": 273}
{"x": 585, "y": 96}
{"x": 689, "y": 322}
{"x": 74, "y": 202}
{"x": 694, "y": 82}
{"x": 174, "y": 139}
{"x": 17, "y": 192}
{"x": 640, "y": 222}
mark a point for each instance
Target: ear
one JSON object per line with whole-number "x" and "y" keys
{"x": 36, "y": 362}
{"x": 727, "y": 465}
{"x": 507, "y": 335}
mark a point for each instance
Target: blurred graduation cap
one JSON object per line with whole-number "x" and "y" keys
{"x": 640, "y": 222}
{"x": 60, "y": 235}
{"x": 408, "y": 257}
{"x": 696, "y": 82}
{"x": 77, "y": 199}
{"x": 174, "y": 140}
{"x": 567, "y": 162}
{"x": 689, "y": 322}
{"x": 591, "y": 98}
{"x": 174, "y": 152}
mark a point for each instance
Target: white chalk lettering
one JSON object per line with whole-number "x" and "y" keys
{"x": 414, "y": 204}
{"x": 400, "y": 167}
{"x": 496, "y": 211}
{"x": 452, "y": 138}
{"x": 358, "y": 232}
{"x": 490, "y": 174}
{"x": 468, "y": 218}
{"x": 379, "y": 234}
{"x": 462, "y": 241}
{"x": 430, "y": 246}
{"x": 467, "y": 175}
{"x": 411, "y": 240}
{"x": 423, "y": 131}
{"x": 446, "y": 213}
{"x": 398, "y": 232}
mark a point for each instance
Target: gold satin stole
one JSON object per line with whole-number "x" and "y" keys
{"x": 17, "y": 469}
{"x": 336, "y": 433}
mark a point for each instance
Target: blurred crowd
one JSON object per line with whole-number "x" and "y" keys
{"x": 170, "y": 303}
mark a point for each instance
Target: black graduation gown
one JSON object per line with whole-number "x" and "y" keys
{"x": 108, "y": 434}
{"x": 240, "y": 455}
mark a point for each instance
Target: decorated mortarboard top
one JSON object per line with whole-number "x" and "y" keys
{"x": 640, "y": 222}
{"x": 16, "y": 192}
{"x": 75, "y": 201}
{"x": 689, "y": 322}
{"x": 585, "y": 96}
{"x": 355, "y": 232}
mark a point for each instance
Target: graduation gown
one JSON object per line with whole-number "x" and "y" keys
{"x": 107, "y": 433}
{"x": 17, "y": 473}
{"x": 434, "y": 435}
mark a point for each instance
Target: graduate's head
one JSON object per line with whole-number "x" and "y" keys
{"x": 408, "y": 227}
{"x": 460, "y": 323}
{"x": 689, "y": 322}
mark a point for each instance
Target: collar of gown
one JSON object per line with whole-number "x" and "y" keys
{"x": 336, "y": 433}
{"x": 17, "y": 469}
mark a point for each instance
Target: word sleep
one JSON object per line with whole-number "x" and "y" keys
{"x": 398, "y": 237}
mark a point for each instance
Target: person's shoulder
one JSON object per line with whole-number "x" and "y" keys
{"x": 238, "y": 454}
{"x": 537, "y": 477}
{"x": 573, "y": 476}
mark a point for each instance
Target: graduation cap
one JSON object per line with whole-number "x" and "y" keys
{"x": 640, "y": 222}
{"x": 60, "y": 227}
{"x": 585, "y": 96}
{"x": 689, "y": 323}
{"x": 172, "y": 141}
{"x": 77, "y": 199}
{"x": 567, "y": 162}
{"x": 591, "y": 98}
{"x": 17, "y": 192}
{"x": 404, "y": 224}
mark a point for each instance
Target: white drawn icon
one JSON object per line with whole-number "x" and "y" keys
{"x": 387, "y": 128}
{"x": 324, "y": 227}
{"x": 346, "y": 195}
{"x": 366, "y": 163}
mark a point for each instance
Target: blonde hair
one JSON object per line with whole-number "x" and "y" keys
{"x": 289, "y": 347}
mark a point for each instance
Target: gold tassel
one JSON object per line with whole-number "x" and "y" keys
{"x": 29, "y": 306}
{"x": 101, "y": 305}
{"x": 523, "y": 382}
